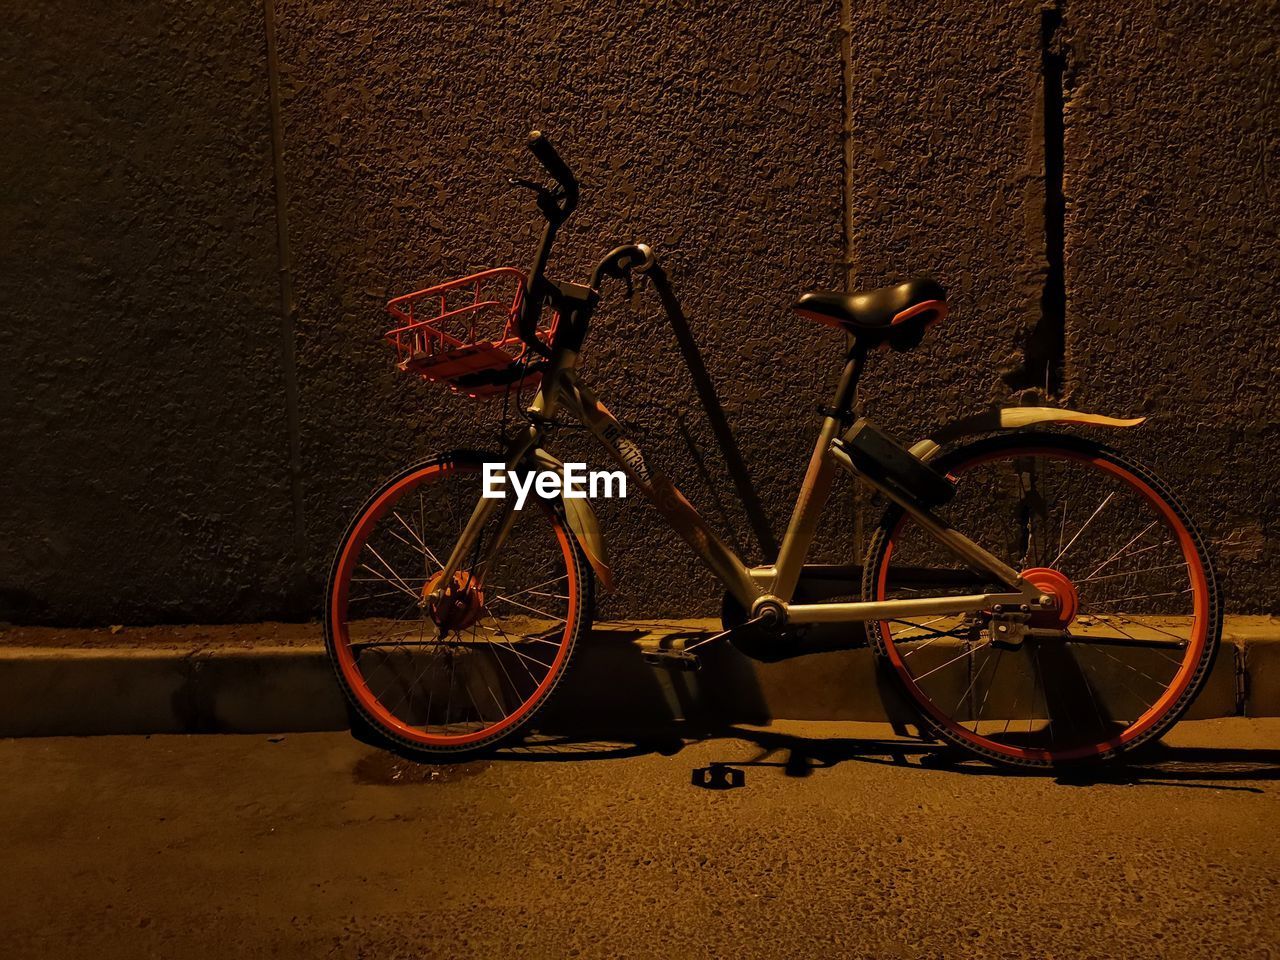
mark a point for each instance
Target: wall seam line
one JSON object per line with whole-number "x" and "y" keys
{"x": 846, "y": 138}
{"x": 846, "y": 214}
{"x": 1054, "y": 298}
{"x": 288, "y": 307}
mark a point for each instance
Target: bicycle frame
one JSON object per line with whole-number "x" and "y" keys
{"x": 426, "y": 626}
{"x": 775, "y": 584}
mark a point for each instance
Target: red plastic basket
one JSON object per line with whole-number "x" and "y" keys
{"x": 463, "y": 333}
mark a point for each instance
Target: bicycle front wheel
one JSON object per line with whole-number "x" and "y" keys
{"x": 440, "y": 679}
{"x": 1137, "y": 619}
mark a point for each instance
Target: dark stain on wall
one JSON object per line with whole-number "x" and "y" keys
{"x": 1093, "y": 173}
{"x": 1044, "y": 347}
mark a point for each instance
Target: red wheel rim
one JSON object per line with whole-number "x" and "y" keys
{"x": 1176, "y": 688}
{"x": 351, "y": 672}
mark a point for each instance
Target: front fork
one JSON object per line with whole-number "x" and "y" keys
{"x": 542, "y": 409}
{"x": 483, "y": 513}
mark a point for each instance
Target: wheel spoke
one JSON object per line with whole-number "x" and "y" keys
{"x": 1135, "y": 573}
{"x": 978, "y": 673}
{"x": 426, "y": 551}
{"x": 506, "y": 642}
{"x": 1063, "y": 552}
{"x": 1112, "y": 615}
{"x": 990, "y": 683}
{"x": 1141, "y": 596}
{"x": 1141, "y": 533}
{"x": 390, "y": 569}
{"x": 968, "y": 653}
{"x": 525, "y": 606}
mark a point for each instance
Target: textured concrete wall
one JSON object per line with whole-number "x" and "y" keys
{"x": 1172, "y": 147}
{"x": 143, "y": 469}
{"x": 713, "y": 134}
{"x": 947, "y": 180}
{"x": 147, "y": 446}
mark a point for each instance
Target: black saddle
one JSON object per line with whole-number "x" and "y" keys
{"x": 896, "y": 316}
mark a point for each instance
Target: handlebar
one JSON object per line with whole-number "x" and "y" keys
{"x": 546, "y": 154}
{"x": 556, "y": 205}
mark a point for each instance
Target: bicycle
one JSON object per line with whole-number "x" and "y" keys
{"x": 1041, "y": 598}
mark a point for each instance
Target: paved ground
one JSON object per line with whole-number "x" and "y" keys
{"x": 312, "y": 845}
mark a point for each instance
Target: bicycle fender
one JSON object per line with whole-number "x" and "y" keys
{"x": 1011, "y": 418}
{"x": 581, "y": 517}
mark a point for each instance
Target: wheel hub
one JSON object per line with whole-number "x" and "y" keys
{"x": 1066, "y": 600}
{"x": 459, "y": 605}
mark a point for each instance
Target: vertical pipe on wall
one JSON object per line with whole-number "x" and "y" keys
{"x": 288, "y": 307}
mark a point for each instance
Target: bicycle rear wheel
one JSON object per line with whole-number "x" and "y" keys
{"x": 1138, "y": 619}
{"x": 459, "y": 676}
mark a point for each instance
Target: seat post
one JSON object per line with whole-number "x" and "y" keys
{"x": 847, "y": 389}
{"x": 817, "y": 480}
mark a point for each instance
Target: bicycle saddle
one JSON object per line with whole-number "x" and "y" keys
{"x": 896, "y": 315}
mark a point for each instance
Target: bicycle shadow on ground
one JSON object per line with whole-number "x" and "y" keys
{"x": 1225, "y": 768}
{"x": 795, "y": 756}
{"x": 614, "y": 692}
{"x": 613, "y": 706}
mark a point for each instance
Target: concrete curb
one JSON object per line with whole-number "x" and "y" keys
{"x": 79, "y": 689}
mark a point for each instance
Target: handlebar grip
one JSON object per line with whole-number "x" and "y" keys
{"x": 541, "y": 148}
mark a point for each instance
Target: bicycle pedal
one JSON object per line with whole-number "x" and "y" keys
{"x": 718, "y": 776}
{"x": 672, "y": 659}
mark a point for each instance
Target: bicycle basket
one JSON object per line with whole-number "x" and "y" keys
{"x": 463, "y": 333}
